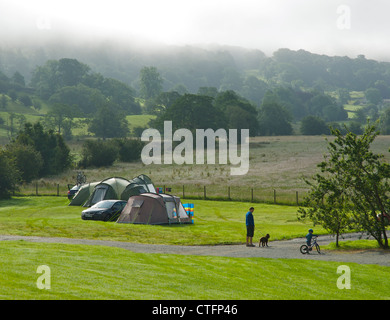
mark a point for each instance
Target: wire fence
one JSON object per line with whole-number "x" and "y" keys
{"x": 187, "y": 191}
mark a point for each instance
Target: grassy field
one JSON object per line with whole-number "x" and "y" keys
{"x": 215, "y": 223}
{"x": 95, "y": 272}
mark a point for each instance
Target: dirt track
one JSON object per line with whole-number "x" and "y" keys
{"x": 288, "y": 249}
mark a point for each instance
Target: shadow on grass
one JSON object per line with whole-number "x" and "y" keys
{"x": 22, "y": 201}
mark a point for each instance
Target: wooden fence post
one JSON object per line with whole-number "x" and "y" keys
{"x": 36, "y": 188}
{"x": 251, "y": 194}
{"x": 274, "y": 196}
{"x": 229, "y": 193}
{"x": 183, "y": 191}
{"x": 296, "y": 196}
{"x": 204, "y": 192}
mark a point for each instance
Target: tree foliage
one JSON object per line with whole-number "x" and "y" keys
{"x": 54, "y": 152}
{"x": 274, "y": 120}
{"x": 27, "y": 160}
{"x": 353, "y": 186}
{"x": 9, "y": 175}
{"x": 109, "y": 123}
{"x": 150, "y": 82}
{"x": 98, "y": 153}
{"x": 312, "y": 125}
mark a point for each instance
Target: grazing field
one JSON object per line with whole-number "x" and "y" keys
{"x": 276, "y": 163}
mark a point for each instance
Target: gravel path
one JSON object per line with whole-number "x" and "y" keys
{"x": 287, "y": 249}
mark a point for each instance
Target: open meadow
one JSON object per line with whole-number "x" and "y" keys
{"x": 277, "y": 168}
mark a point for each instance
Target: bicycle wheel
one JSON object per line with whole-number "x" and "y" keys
{"x": 304, "y": 249}
{"x": 318, "y": 248}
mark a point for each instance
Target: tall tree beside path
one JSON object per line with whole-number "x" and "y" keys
{"x": 353, "y": 186}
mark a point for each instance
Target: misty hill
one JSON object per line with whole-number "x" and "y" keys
{"x": 61, "y": 81}
{"x": 186, "y": 69}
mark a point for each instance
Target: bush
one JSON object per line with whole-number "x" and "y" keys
{"x": 129, "y": 149}
{"x": 98, "y": 153}
{"x": 51, "y": 146}
{"x": 312, "y": 125}
{"x": 27, "y": 160}
{"x": 9, "y": 175}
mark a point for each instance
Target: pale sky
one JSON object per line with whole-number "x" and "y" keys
{"x": 332, "y": 27}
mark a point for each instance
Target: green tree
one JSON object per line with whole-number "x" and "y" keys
{"x": 18, "y": 79}
{"x": 312, "y": 125}
{"x": 274, "y": 120}
{"x": 129, "y": 150}
{"x": 192, "y": 112}
{"x": 150, "y": 82}
{"x": 53, "y": 75}
{"x": 326, "y": 205}
{"x": 238, "y": 112}
{"x": 109, "y": 123}
{"x": 25, "y": 99}
{"x": 70, "y": 72}
{"x": 353, "y": 182}
{"x": 9, "y": 175}
{"x": 373, "y": 95}
{"x": 51, "y": 146}
{"x": 120, "y": 94}
{"x": 385, "y": 121}
{"x": 98, "y": 153}
{"x": 343, "y": 96}
{"x": 80, "y": 98}
{"x": 254, "y": 89}
{"x": 3, "y": 101}
{"x": 61, "y": 115}
{"x": 27, "y": 160}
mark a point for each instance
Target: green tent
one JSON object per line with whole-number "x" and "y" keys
{"x": 138, "y": 185}
{"x": 83, "y": 194}
{"x": 112, "y": 188}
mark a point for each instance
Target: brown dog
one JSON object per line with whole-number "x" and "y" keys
{"x": 264, "y": 241}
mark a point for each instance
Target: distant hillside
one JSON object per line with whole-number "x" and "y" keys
{"x": 249, "y": 72}
{"x": 67, "y": 84}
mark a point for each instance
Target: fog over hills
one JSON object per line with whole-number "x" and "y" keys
{"x": 332, "y": 27}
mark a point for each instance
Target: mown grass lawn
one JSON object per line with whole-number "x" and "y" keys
{"x": 96, "y": 272}
{"x": 216, "y": 222}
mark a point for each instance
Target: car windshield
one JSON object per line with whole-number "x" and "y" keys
{"x": 103, "y": 204}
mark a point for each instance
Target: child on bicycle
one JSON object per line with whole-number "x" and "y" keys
{"x": 309, "y": 236}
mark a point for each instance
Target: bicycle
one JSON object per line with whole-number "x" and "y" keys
{"x": 81, "y": 178}
{"x": 305, "y": 249}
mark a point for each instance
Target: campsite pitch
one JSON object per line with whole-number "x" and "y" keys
{"x": 215, "y": 222}
{"x": 107, "y": 272}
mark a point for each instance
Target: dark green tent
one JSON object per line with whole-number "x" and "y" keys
{"x": 112, "y": 188}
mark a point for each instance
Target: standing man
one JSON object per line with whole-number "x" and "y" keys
{"x": 250, "y": 227}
